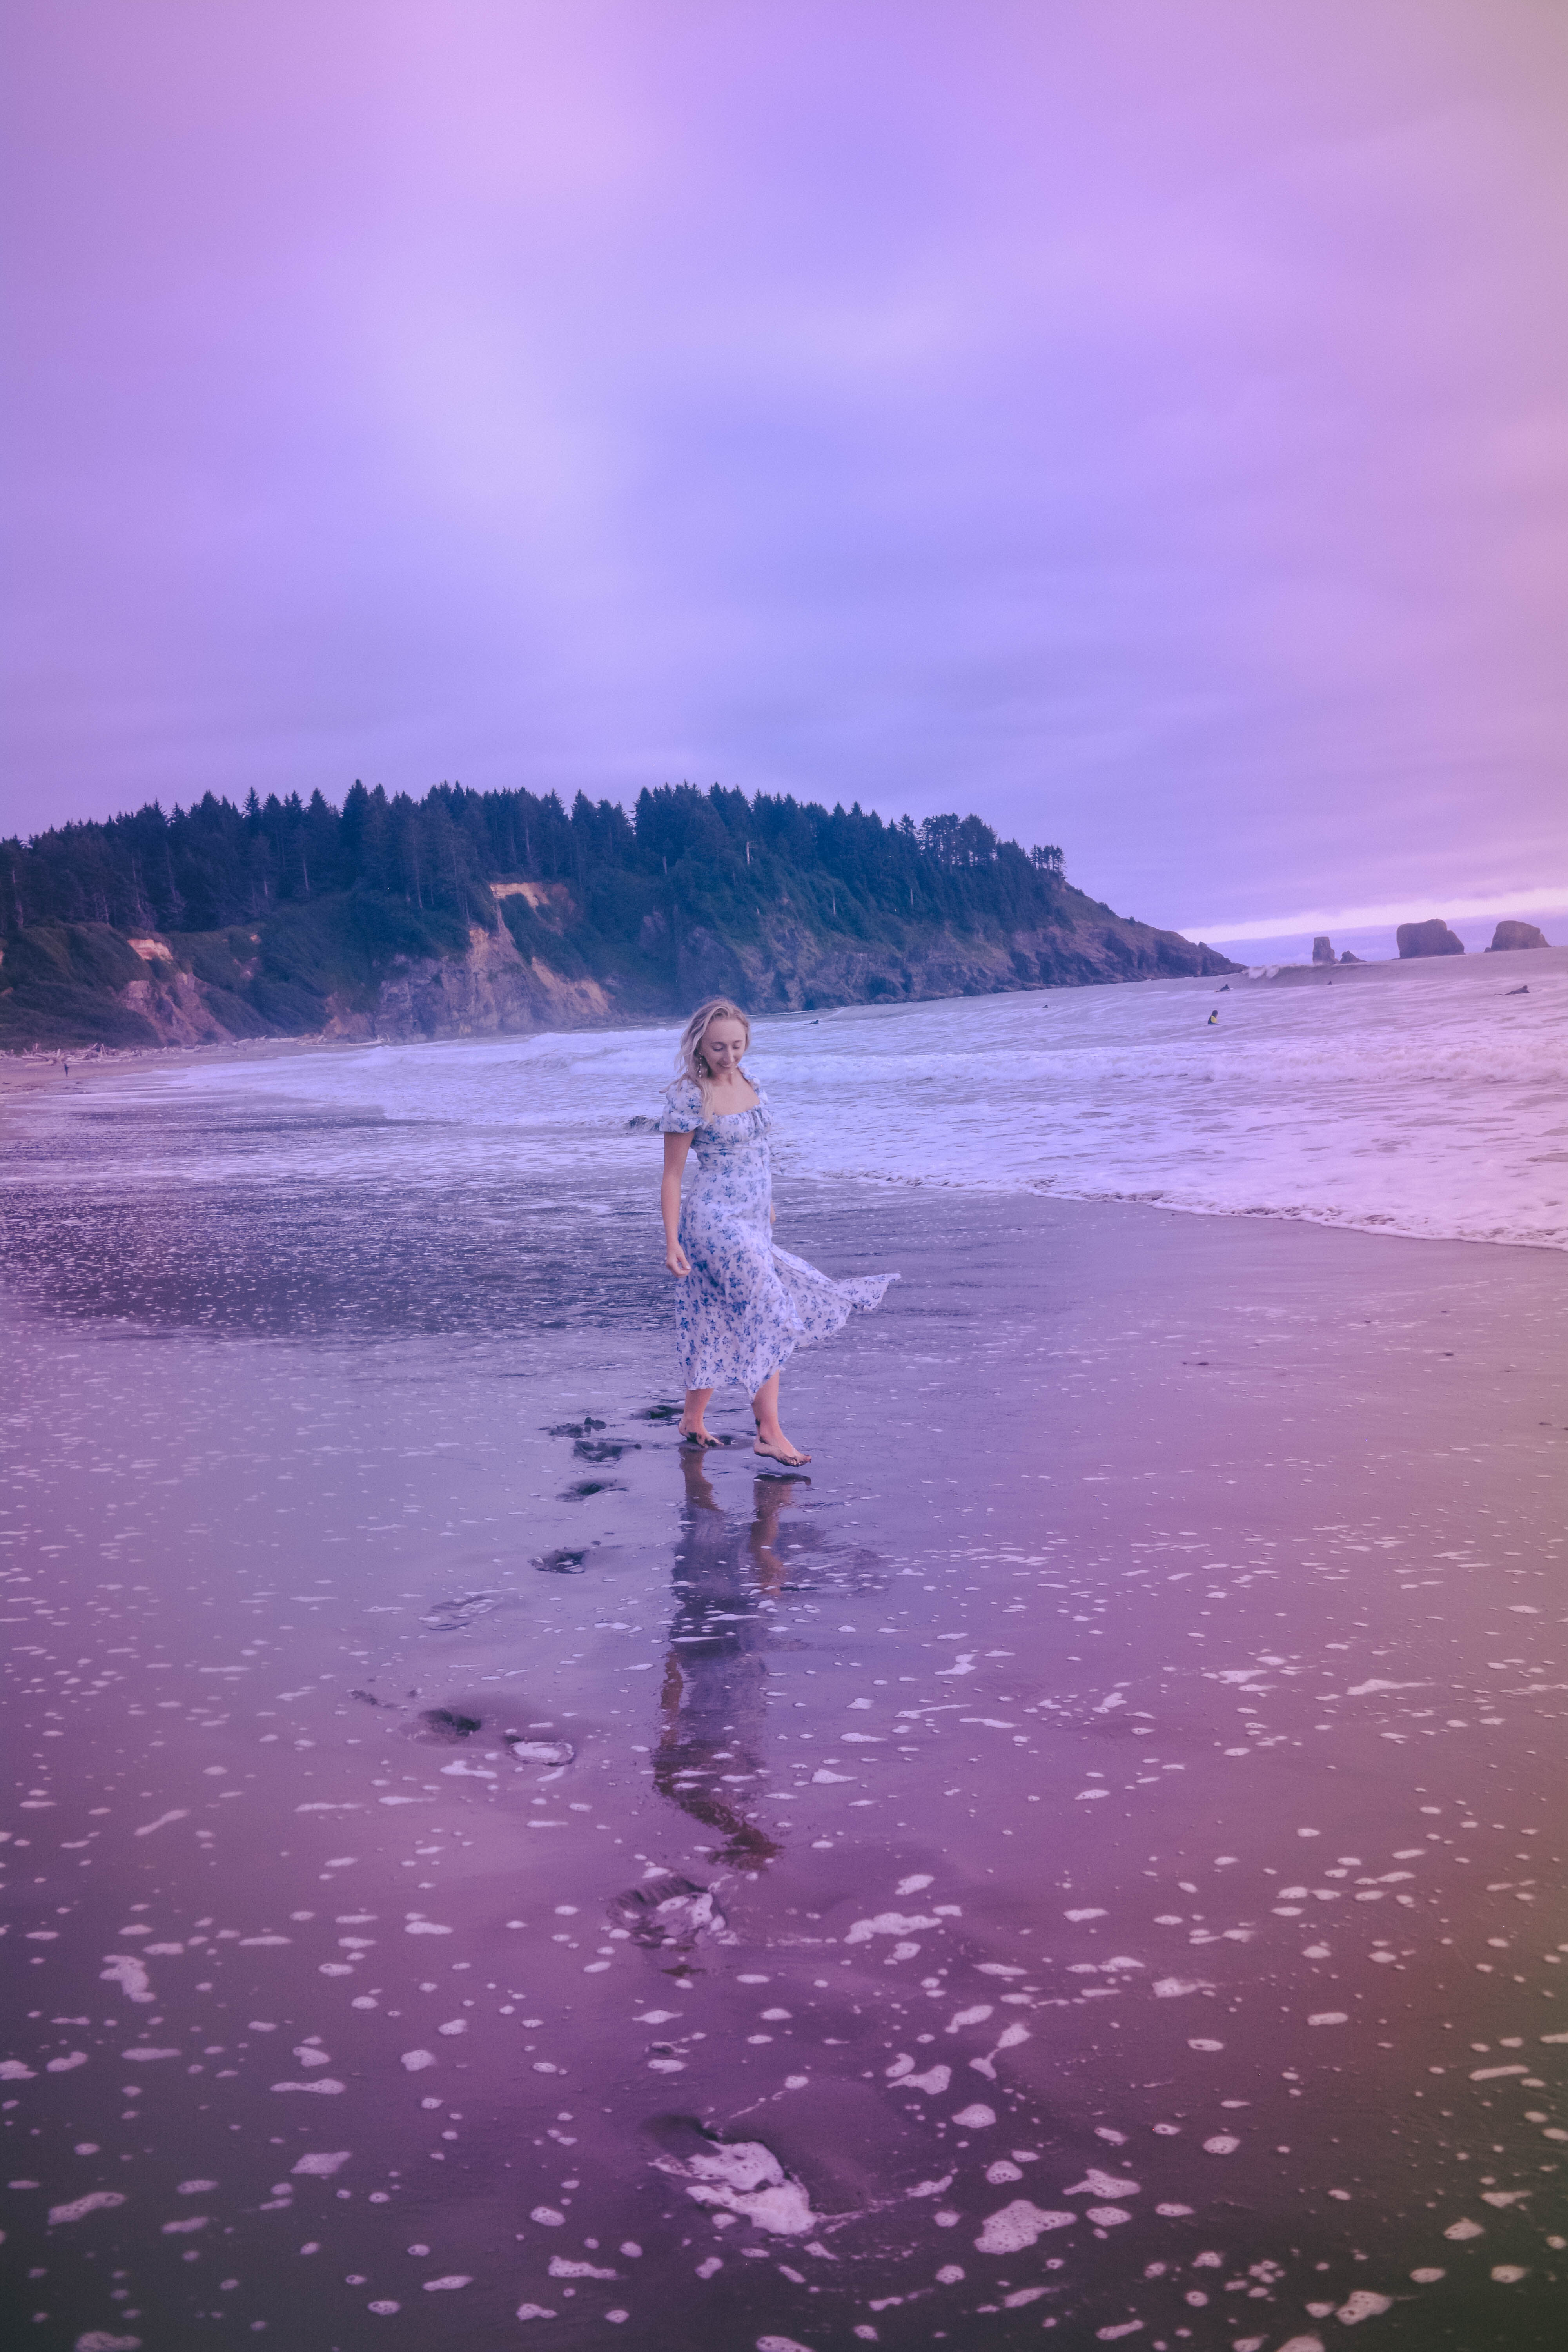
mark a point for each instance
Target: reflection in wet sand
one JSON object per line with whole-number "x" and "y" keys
{"x": 714, "y": 1698}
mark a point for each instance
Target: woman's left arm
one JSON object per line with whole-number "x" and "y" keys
{"x": 675, "y": 1148}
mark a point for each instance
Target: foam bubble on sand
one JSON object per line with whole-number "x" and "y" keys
{"x": 916, "y": 1885}
{"x": 97, "y": 2339}
{"x": 13, "y": 2070}
{"x": 1177, "y": 1988}
{"x": 886, "y": 1923}
{"x": 323, "y": 2167}
{"x": 143, "y": 2051}
{"x": 97, "y": 2201}
{"x": 747, "y": 2179}
{"x": 126, "y": 1970}
{"x": 327, "y": 2087}
{"x": 933, "y": 2082}
{"x": 1096, "y": 2183}
{"x": 415, "y": 2061}
{"x": 1363, "y": 2304}
{"x": 1017, "y": 2226}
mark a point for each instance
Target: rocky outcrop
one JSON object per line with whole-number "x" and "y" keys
{"x": 1516, "y": 935}
{"x": 1433, "y": 938}
{"x": 1348, "y": 958}
{"x": 1322, "y": 950}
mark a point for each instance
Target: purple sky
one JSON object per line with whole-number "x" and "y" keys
{"x": 1145, "y": 423}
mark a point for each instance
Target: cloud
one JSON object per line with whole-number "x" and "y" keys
{"x": 1152, "y": 433}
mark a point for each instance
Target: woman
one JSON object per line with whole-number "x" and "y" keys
{"x": 744, "y": 1305}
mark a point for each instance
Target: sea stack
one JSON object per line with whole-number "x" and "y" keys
{"x": 1517, "y": 934}
{"x": 1322, "y": 950}
{"x": 1349, "y": 957}
{"x": 1433, "y": 938}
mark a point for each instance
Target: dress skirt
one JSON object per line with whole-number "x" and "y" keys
{"x": 746, "y": 1305}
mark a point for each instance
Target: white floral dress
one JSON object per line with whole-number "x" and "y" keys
{"x": 746, "y": 1305}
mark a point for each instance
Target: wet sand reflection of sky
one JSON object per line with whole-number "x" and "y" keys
{"x": 1091, "y": 1858}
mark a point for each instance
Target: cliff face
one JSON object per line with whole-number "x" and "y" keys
{"x": 489, "y": 990}
{"x": 792, "y": 967}
{"x": 353, "y": 968}
{"x": 496, "y": 988}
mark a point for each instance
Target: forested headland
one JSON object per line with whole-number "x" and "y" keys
{"x": 468, "y": 911}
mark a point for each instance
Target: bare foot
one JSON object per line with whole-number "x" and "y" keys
{"x": 698, "y": 1436}
{"x": 777, "y": 1448}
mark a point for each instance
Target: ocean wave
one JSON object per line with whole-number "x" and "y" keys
{"x": 1428, "y": 1100}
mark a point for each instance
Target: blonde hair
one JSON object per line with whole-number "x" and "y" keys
{"x": 690, "y": 1062}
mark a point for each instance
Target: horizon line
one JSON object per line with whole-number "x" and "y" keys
{"x": 1542, "y": 900}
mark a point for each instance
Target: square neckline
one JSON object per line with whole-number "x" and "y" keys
{"x": 752, "y": 1113}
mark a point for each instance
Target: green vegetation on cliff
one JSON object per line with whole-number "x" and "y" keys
{"x": 504, "y": 910}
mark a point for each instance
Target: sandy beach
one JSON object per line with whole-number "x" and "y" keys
{"x": 1085, "y": 1859}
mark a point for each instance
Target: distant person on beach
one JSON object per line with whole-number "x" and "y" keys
{"x": 744, "y": 1305}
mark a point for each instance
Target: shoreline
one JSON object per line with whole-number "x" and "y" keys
{"x": 1532, "y": 1218}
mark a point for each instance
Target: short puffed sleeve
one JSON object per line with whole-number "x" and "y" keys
{"x": 682, "y": 1109}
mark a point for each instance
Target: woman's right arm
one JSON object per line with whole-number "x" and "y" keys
{"x": 675, "y": 1148}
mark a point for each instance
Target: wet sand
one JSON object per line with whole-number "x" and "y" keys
{"x": 1085, "y": 1862}
{"x": 58, "y": 1069}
